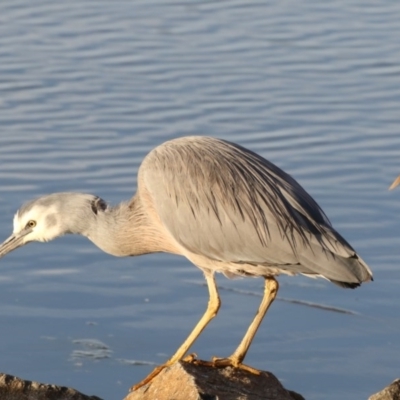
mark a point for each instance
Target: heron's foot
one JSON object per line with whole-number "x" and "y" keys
{"x": 221, "y": 363}
{"x": 149, "y": 377}
{"x": 191, "y": 358}
{"x": 233, "y": 362}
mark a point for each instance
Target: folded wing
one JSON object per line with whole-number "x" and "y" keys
{"x": 222, "y": 201}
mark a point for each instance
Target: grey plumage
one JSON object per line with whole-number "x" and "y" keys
{"x": 220, "y": 205}
{"x": 224, "y": 202}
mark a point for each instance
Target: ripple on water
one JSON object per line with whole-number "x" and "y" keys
{"x": 88, "y": 88}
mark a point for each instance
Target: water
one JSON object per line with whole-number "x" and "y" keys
{"x": 88, "y": 88}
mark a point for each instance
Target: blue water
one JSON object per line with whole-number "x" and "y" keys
{"x": 88, "y": 88}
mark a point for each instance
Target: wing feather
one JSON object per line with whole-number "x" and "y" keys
{"x": 222, "y": 201}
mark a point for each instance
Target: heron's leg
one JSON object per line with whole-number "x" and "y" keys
{"x": 214, "y": 303}
{"x": 235, "y": 360}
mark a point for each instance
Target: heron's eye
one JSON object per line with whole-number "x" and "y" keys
{"x": 31, "y": 224}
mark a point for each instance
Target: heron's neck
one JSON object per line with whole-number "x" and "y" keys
{"x": 126, "y": 230}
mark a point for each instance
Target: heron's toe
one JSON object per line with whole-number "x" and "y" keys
{"x": 149, "y": 378}
{"x": 233, "y": 362}
{"x": 190, "y": 358}
{"x": 225, "y": 362}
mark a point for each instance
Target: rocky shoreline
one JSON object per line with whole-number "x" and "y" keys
{"x": 181, "y": 381}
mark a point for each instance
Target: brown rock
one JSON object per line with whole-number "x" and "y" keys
{"x": 391, "y": 392}
{"x": 187, "y": 381}
{"x": 13, "y": 388}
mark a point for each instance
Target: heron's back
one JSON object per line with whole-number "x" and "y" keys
{"x": 227, "y": 205}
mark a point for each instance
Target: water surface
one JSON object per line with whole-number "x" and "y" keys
{"x": 88, "y": 88}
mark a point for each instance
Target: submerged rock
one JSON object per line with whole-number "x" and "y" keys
{"x": 13, "y": 388}
{"x": 188, "y": 381}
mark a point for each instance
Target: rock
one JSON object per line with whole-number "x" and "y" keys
{"x": 391, "y": 392}
{"x": 13, "y": 388}
{"x": 188, "y": 381}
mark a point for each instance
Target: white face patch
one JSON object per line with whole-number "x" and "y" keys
{"x": 45, "y": 228}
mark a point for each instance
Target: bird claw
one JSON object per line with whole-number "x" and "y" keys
{"x": 233, "y": 362}
{"x": 221, "y": 363}
{"x": 191, "y": 358}
{"x": 148, "y": 378}
{"x": 224, "y": 362}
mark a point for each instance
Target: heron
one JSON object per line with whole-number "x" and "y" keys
{"x": 223, "y": 207}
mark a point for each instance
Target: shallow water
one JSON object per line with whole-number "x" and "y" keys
{"x": 88, "y": 88}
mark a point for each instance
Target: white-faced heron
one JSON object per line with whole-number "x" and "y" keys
{"x": 218, "y": 204}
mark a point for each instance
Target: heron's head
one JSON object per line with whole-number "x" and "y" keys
{"x": 48, "y": 217}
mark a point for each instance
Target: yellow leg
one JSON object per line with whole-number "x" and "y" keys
{"x": 214, "y": 303}
{"x": 235, "y": 360}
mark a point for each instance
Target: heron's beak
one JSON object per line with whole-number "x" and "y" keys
{"x": 395, "y": 183}
{"x": 13, "y": 242}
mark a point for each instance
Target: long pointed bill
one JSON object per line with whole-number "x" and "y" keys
{"x": 395, "y": 183}
{"x": 13, "y": 242}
